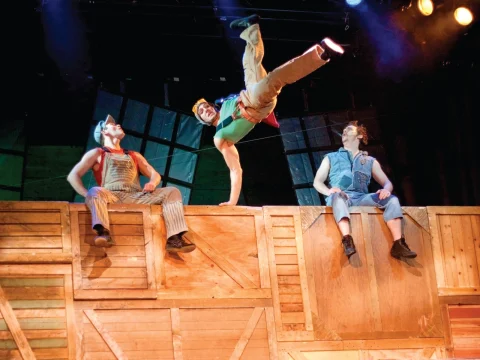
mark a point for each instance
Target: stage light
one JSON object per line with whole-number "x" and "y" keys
{"x": 425, "y": 7}
{"x": 353, "y": 2}
{"x": 463, "y": 16}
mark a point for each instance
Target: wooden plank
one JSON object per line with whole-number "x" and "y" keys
{"x": 29, "y": 217}
{"x": 475, "y": 220}
{"x": 35, "y": 269}
{"x": 271, "y": 333}
{"x": 123, "y": 218}
{"x": 77, "y": 260}
{"x": 247, "y": 333}
{"x": 173, "y": 303}
{"x": 60, "y": 258}
{"x": 43, "y": 206}
{"x": 437, "y": 248}
{"x": 454, "y": 210}
{"x": 30, "y": 229}
{"x": 15, "y": 329}
{"x": 79, "y": 335}
{"x": 115, "y": 294}
{"x": 149, "y": 250}
{"x": 371, "y": 272}
{"x": 176, "y": 334}
{"x": 273, "y": 270}
{"x": 159, "y": 246}
{"x": 196, "y": 293}
{"x": 303, "y": 271}
{"x": 447, "y": 330}
{"x": 219, "y": 260}
{"x": 262, "y": 252}
{"x": 66, "y": 232}
{"x": 70, "y": 312}
{"x": 111, "y": 343}
{"x": 419, "y": 215}
{"x": 30, "y": 242}
{"x": 465, "y": 291}
{"x": 460, "y": 299}
{"x": 310, "y": 215}
{"x": 222, "y": 210}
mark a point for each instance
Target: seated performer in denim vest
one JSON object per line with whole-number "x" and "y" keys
{"x": 239, "y": 114}
{"x": 349, "y": 171}
{"x": 117, "y": 174}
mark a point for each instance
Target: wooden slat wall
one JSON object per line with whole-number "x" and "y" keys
{"x": 264, "y": 283}
{"x": 465, "y": 331}
{"x": 41, "y": 302}
{"x": 119, "y": 271}
{"x": 230, "y": 260}
{"x": 34, "y": 232}
{"x": 456, "y": 244}
{"x": 291, "y": 300}
{"x": 371, "y": 295}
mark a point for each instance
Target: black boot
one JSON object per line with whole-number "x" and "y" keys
{"x": 348, "y": 245}
{"x": 401, "y": 249}
{"x": 175, "y": 243}
{"x": 245, "y": 22}
{"x": 330, "y": 49}
{"x": 103, "y": 239}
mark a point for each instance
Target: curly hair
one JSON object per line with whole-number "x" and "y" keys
{"x": 361, "y": 130}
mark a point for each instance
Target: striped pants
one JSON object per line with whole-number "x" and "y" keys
{"x": 170, "y": 198}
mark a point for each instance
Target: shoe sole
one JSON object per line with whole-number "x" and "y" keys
{"x": 185, "y": 249}
{"x": 333, "y": 46}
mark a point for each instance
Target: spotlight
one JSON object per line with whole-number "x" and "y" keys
{"x": 425, "y": 7}
{"x": 463, "y": 16}
{"x": 353, "y": 2}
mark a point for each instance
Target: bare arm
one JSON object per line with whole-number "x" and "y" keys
{"x": 86, "y": 163}
{"x": 321, "y": 177}
{"x": 232, "y": 159}
{"x": 380, "y": 177}
{"x": 147, "y": 170}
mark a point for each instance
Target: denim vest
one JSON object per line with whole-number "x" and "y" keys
{"x": 350, "y": 174}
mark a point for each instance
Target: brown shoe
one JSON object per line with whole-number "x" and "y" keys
{"x": 103, "y": 239}
{"x": 176, "y": 244}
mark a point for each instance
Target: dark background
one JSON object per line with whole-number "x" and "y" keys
{"x": 420, "y": 74}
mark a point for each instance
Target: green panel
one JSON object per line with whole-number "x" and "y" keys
{"x": 6, "y": 195}
{"x": 46, "y": 172}
{"x": 12, "y": 134}
{"x": 135, "y": 116}
{"x": 12, "y": 166}
{"x": 212, "y": 179}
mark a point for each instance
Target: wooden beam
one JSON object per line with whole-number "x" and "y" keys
{"x": 14, "y": 327}
{"x": 176, "y": 334}
{"x": 247, "y": 333}
{"x": 219, "y": 260}
{"x": 111, "y": 343}
{"x": 58, "y": 258}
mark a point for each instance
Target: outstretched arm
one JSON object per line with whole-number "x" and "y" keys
{"x": 86, "y": 163}
{"x": 147, "y": 170}
{"x": 380, "y": 177}
{"x": 232, "y": 159}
